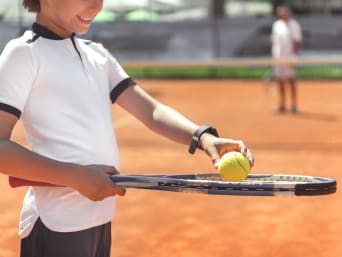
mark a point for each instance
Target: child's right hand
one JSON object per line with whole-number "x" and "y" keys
{"x": 95, "y": 184}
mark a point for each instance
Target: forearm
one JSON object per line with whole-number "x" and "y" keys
{"x": 296, "y": 46}
{"x": 156, "y": 116}
{"x": 171, "y": 124}
{"x": 20, "y": 162}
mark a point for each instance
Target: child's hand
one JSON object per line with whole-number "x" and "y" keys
{"x": 216, "y": 147}
{"x": 95, "y": 184}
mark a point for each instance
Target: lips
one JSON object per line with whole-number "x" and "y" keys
{"x": 85, "y": 19}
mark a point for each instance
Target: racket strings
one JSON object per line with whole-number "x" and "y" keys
{"x": 309, "y": 190}
{"x": 221, "y": 187}
{"x": 278, "y": 178}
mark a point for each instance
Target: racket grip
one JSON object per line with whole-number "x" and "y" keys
{"x": 19, "y": 182}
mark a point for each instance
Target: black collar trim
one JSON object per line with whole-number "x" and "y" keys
{"x": 47, "y": 33}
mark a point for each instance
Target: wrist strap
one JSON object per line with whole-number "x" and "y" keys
{"x": 197, "y": 135}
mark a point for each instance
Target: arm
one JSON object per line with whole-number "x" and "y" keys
{"x": 17, "y": 161}
{"x": 156, "y": 116}
{"x": 296, "y": 46}
{"x": 171, "y": 124}
{"x": 297, "y": 36}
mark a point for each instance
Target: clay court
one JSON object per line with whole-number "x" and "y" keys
{"x": 162, "y": 224}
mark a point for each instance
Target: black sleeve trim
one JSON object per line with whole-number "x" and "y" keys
{"x": 10, "y": 109}
{"x": 116, "y": 92}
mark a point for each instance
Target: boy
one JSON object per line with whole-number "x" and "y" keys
{"x": 62, "y": 87}
{"x": 286, "y": 38}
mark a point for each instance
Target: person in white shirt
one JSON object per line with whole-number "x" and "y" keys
{"x": 62, "y": 88}
{"x": 286, "y": 39}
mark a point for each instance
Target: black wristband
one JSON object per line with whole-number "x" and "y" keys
{"x": 197, "y": 135}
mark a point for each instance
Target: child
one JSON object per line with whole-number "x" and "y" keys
{"x": 61, "y": 87}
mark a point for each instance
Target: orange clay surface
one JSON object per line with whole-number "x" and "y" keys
{"x": 162, "y": 224}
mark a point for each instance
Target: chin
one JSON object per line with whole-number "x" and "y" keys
{"x": 80, "y": 28}
{"x": 82, "y": 31}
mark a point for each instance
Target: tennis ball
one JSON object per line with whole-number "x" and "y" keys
{"x": 233, "y": 166}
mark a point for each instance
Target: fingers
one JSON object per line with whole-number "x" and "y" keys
{"x": 108, "y": 191}
{"x": 217, "y": 147}
{"x": 250, "y": 157}
{"x": 109, "y": 169}
{"x": 96, "y": 183}
{"x": 243, "y": 148}
{"x": 215, "y": 157}
{"x": 112, "y": 190}
{"x": 247, "y": 153}
{"x": 213, "y": 152}
{"x": 118, "y": 190}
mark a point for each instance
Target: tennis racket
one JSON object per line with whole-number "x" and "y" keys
{"x": 253, "y": 185}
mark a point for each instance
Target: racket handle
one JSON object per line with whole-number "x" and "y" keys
{"x": 18, "y": 182}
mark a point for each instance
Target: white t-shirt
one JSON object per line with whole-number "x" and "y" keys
{"x": 62, "y": 89}
{"x": 284, "y": 34}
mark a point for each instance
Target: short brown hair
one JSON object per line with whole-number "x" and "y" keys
{"x": 32, "y": 5}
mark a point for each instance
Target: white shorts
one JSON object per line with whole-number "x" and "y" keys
{"x": 284, "y": 72}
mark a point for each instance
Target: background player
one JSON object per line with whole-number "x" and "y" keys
{"x": 286, "y": 38}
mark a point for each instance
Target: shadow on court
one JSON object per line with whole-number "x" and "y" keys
{"x": 317, "y": 116}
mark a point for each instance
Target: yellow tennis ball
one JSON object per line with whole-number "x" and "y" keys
{"x": 233, "y": 166}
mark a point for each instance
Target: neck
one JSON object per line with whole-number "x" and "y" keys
{"x": 43, "y": 20}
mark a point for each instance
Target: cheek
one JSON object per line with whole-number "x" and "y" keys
{"x": 68, "y": 7}
{"x": 64, "y": 12}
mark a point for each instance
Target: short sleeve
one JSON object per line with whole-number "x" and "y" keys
{"x": 275, "y": 39}
{"x": 16, "y": 76}
{"x": 119, "y": 79}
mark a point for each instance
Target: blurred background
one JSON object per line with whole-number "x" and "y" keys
{"x": 145, "y": 35}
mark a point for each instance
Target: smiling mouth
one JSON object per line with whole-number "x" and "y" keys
{"x": 85, "y": 19}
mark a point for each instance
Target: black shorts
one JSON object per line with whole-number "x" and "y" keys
{"x": 42, "y": 242}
